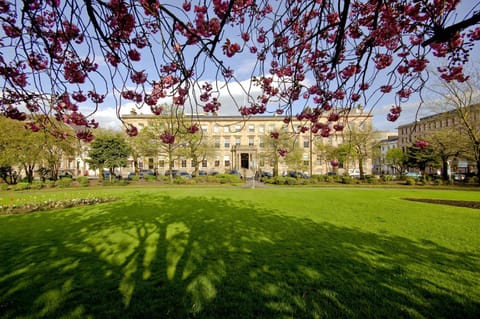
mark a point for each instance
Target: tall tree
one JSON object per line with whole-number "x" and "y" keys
{"x": 277, "y": 145}
{"x": 421, "y": 155}
{"x": 447, "y": 143}
{"x": 82, "y": 51}
{"x": 396, "y": 159}
{"x": 108, "y": 150}
{"x": 461, "y": 103}
{"x": 362, "y": 138}
{"x": 198, "y": 147}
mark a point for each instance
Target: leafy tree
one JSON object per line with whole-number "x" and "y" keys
{"x": 362, "y": 139}
{"x": 90, "y": 49}
{"x": 421, "y": 156}
{"x": 109, "y": 150}
{"x": 141, "y": 146}
{"x": 396, "y": 159}
{"x": 19, "y": 148}
{"x": 447, "y": 143}
{"x": 56, "y": 148}
{"x": 294, "y": 160}
{"x": 167, "y": 134}
{"x": 198, "y": 147}
{"x": 277, "y": 145}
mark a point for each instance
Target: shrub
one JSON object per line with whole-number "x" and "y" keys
{"x": 4, "y": 186}
{"x": 180, "y": 180}
{"x": 50, "y": 184}
{"x": 150, "y": 178}
{"x": 22, "y": 186}
{"x": 37, "y": 185}
{"x": 410, "y": 181}
{"x": 83, "y": 181}
{"x": 228, "y": 179}
{"x": 472, "y": 180}
{"x": 347, "y": 180}
{"x": 371, "y": 179}
{"x": 64, "y": 182}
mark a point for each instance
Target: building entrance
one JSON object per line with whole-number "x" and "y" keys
{"x": 244, "y": 157}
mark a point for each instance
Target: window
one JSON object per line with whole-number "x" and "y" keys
{"x": 216, "y": 129}
{"x": 237, "y": 140}
{"x": 192, "y": 164}
{"x": 319, "y": 160}
{"x": 251, "y": 141}
{"x": 306, "y": 143}
{"x": 226, "y": 160}
{"x": 150, "y": 163}
{"x": 251, "y": 128}
{"x": 216, "y": 142}
{"x": 204, "y": 128}
{"x": 204, "y": 163}
{"x": 271, "y": 128}
{"x": 262, "y": 162}
{"x": 261, "y": 142}
{"x": 184, "y": 163}
{"x": 261, "y": 129}
{"x": 306, "y": 160}
{"x": 226, "y": 129}
{"x": 217, "y": 163}
{"x": 226, "y": 142}
{"x": 238, "y": 128}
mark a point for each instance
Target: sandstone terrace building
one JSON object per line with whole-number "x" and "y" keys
{"x": 239, "y": 144}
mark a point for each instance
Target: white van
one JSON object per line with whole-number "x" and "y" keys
{"x": 354, "y": 172}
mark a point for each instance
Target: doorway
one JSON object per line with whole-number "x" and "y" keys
{"x": 244, "y": 157}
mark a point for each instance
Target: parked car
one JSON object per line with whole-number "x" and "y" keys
{"x": 141, "y": 174}
{"x": 297, "y": 174}
{"x": 355, "y": 172}
{"x": 459, "y": 177}
{"x": 235, "y": 172}
{"x": 214, "y": 173}
{"x": 200, "y": 173}
{"x": 65, "y": 174}
{"x": 184, "y": 175}
{"x": 174, "y": 173}
{"x": 412, "y": 174}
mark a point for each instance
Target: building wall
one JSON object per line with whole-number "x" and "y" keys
{"x": 233, "y": 136}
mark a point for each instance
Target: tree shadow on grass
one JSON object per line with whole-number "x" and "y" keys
{"x": 209, "y": 258}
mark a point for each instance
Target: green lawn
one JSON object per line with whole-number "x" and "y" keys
{"x": 242, "y": 253}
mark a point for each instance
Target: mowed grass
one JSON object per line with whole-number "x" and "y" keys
{"x": 243, "y": 253}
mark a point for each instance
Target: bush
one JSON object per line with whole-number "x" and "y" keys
{"x": 371, "y": 179}
{"x": 83, "y": 181}
{"x": 64, "y": 182}
{"x": 50, "y": 184}
{"x": 472, "y": 180}
{"x": 37, "y": 185}
{"x": 228, "y": 179}
{"x": 410, "y": 181}
{"x": 347, "y": 180}
{"x": 4, "y": 186}
{"x": 150, "y": 178}
{"x": 22, "y": 186}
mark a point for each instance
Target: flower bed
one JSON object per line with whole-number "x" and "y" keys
{"x": 51, "y": 204}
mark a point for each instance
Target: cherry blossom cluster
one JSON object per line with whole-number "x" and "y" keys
{"x": 324, "y": 54}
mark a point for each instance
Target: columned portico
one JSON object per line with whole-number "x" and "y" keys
{"x": 245, "y": 159}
